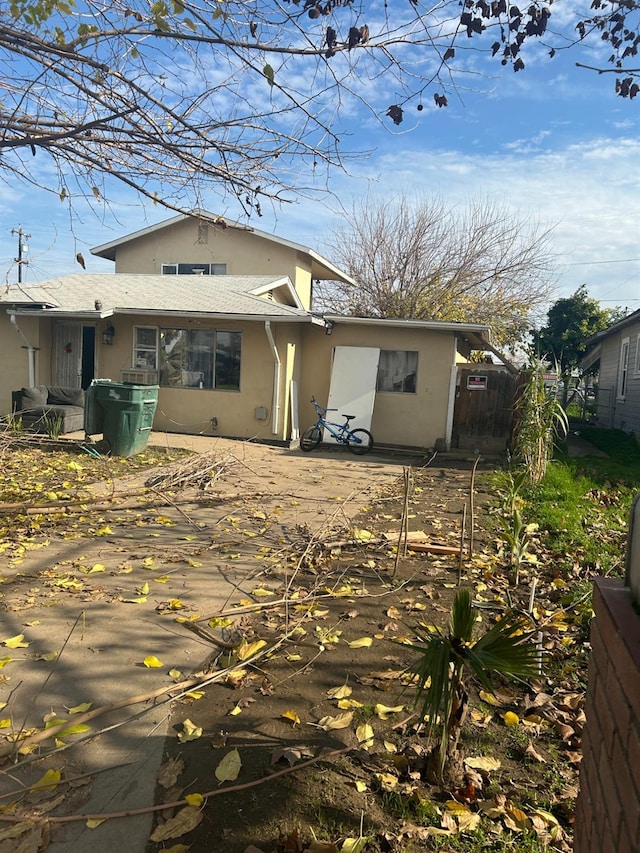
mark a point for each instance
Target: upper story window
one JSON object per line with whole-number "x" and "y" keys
{"x": 397, "y": 371}
{"x": 194, "y": 269}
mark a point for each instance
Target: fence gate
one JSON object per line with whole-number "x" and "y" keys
{"x": 483, "y": 411}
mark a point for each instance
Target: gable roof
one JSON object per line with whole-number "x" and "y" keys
{"x": 321, "y": 268}
{"x": 100, "y": 295}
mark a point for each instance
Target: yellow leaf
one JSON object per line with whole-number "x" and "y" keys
{"x": 291, "y": 715}
{"x": 175, "y": 604}
{"x": 510, "y": 719}
{"x": 144, "y": 589}
{"x": 362, "y": 643}
{"x": 148, "y": 561}
{"x": 140, "y": 600}
{"x": 485, "y": 763}
{"x": 175, "y": 674}
{"x": 362, "y": 535}
{"x": 152, "y": 661}
{"x": 195, "y": 694}
{"x": 4, "y": 661}
{"x": 341, "y": 721}
{"x": 262, "y": 593}
{"x": 247, "y": 650}
{"x": 93, "y": 822}
{"x": 364, "y": 732}
{"x": 237, "y": 709}
{"x": 52, "y": 496}
{"x": 47, "y": 782}
{"x": 80, "y": 709}
{"x": 489, "y": 698}
{"x": 195, "y": 564}
{"x": 229, "y": 767}
{"x": 389, "y": 746}
{"x": 162, "y": 579}
{"x": 340, "y": 692}
{"x": 194, "y": 799}
{"x": 104, "y": 531}
{"x": 6, "y": 723}
{"x": 384, "y": 711}
{"x": 77, "y": 729}
{"x": 16, "y": 642}
{"x": 97, "y": 568}
{"x": 189, "y": 731}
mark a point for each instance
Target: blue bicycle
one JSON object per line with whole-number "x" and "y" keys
{"x": 359, "y": 441}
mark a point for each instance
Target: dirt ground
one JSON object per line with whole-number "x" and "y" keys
{"x": 281, "y": 580}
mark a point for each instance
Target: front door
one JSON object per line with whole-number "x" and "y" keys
{"x": 66, "y": 368}
{"x": 353, "y": 385}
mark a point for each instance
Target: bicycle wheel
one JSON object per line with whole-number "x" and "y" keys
{"x": 360, "y": 441}
{"x": 311, "y": 438}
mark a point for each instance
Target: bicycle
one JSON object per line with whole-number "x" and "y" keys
{"x": 359, "y": 441}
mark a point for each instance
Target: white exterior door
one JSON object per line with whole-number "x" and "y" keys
{"x": 66, "y": 370}
{"x": 353, "y": 385}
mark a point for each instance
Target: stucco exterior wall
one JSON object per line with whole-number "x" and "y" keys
{"x": 191, "y": 410}
{"x": 243, "y": 252}
{"x": 14, "y": 358}
{"x": 403, "y": 419}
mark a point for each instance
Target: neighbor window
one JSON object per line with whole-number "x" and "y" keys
{"x": 145, "y": 348}
{"x": 397, "y": 371}
{"x": 623, "y": 369}
{"x": 200, "y": 358}
{"x": 194, "y": 269}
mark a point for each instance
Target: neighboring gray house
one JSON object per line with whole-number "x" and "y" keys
{"x": 618, "y": 350}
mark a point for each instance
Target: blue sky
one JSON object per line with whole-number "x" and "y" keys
{"x": 554, "y": 143}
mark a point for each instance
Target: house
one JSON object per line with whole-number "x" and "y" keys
{"x": 618, "y": 351}
{"x": 235, "y": 352}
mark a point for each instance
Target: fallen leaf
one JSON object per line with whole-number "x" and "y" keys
{"x": 340, "y": 692}
{"x": 530, "y": 752}
{"x": 152, "y": 662}
{"x": 189, "y": 731}
{"x": 362, "y": 643}
{"x": 364, "y": 732}
{"x": 247, "y": 650}
{"x": 384, "y": 711}
{"x": 170, "y": 771}
{"x": 292, "y": 716}
{"x": 341, "y": 721}
{"x": 16, "y": 642}
{"x": 229, "y": 767}
{"x": 484, "y": 763}
{"x": 194, "y": 799}
{"x": 511, "y": 719}
{"x": 184, "y": 821}
{"x": 47, "y": 782}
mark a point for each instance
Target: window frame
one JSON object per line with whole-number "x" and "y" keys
{"x": 208, "y": 268}
{"x": 623, "y": 370}
{"x": 636, "y": 371}
{"x": 198, "y": 362}
{"x": 407, "y": 371}
{"x": 141, "y": 347}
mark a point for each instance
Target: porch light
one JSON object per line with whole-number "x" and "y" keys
{"x": 328, "y": 327}
{"x": 107, "y": 335}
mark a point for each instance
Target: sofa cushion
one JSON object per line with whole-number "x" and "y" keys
{"x": 65, "y": 396}
{"x": 34, "y": 397}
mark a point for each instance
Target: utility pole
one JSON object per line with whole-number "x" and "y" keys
{"x": 23, "y": 248}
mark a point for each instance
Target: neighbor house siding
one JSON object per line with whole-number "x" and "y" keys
{"x": 614, "y": 411}
{"x": 14, "y": 358}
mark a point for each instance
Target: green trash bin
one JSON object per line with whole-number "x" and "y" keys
{"x": 129, "y": 410}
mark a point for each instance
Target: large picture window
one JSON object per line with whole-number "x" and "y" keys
{"x": 397, "y": 371}
{"x": 200, "y": 358}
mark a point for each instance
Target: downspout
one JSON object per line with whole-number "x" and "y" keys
{"x": 275, "y": 407}
{"x": 30, "y": 349}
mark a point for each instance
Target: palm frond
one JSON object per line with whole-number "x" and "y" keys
{"x": 462, "y": 618}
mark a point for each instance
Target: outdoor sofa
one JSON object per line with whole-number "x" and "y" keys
{"x": 49, "y": 408}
